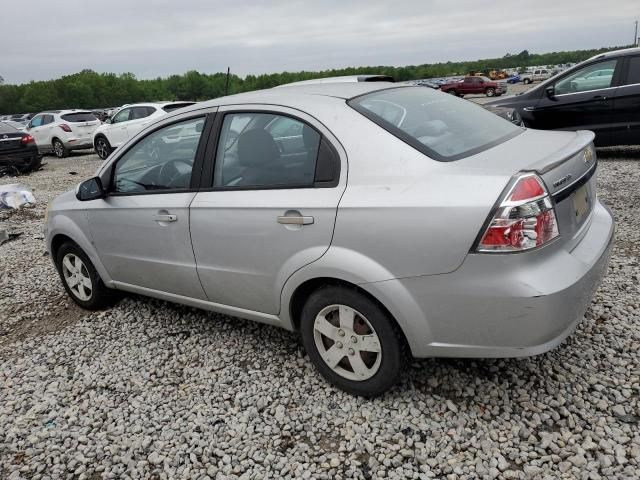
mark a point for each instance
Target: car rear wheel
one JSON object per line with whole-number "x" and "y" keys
{"x": 352, "y": 341}
{"x": 103, "y": 148}
{"x": 59, "y": 149}
{"x": 526, "y": 81}
{"x": 80, "y": 278}
{"x": 490, "y": 92}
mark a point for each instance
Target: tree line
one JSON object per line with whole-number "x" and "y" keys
{"x": 88, "y": 89}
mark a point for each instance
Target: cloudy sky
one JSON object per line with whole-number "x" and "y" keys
{"x": 159, "y": 37}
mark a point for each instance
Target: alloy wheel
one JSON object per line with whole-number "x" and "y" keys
{"x": 101, "y": 148}
{"x": 58, "y": 148}
{"x": 347, "y": 342}
{"x": 77, "y": 276}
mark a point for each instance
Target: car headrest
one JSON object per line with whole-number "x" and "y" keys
{"x": 256, "y": 147}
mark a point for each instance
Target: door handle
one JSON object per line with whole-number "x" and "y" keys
{"x": 599, "y": 97}
{"x": 165, "y": 217}
{"x": 295, "y": 220}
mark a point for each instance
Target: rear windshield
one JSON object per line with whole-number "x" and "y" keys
{"x": 441, "y": 126}
{"x": 6, "y": 128}
{"x": 79, "y": 117}
{"x": 175, "y": 106}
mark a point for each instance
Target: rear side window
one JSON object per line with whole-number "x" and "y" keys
{"x": 633, "y": 76}
{"x": 47, "y": 119}
{"x": 79, "y": 117}
{"x": 265, "y": 150}
{"x": 443, "y": 127}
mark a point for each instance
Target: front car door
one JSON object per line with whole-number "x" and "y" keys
{"x": 578, "y": 103}
{"x": 625, "y": 129}
{"x": 141, "y": 229}
{"x": 270, "y": 207}
{"x": 36, "y": 130}
{"x": 118, "y": 129}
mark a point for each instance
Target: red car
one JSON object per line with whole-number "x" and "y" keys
{"x": 473, "y": 85}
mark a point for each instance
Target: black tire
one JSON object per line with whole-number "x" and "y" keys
{"x": 391, "y": 342}
{"x": 59, "y": 149}
{"x": 103, "y": 147}
{"x": 490, "y": 92}
{"x": 100, "y": 296}
{"x": 34, "y": 164}
{"x": 452, "y": 92}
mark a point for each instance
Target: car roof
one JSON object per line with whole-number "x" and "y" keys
{"x": 296, "y": 95}
{"x": 618, "y": 53}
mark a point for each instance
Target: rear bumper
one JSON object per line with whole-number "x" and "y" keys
{"x": 20, "y": 159}
{"x": 503, "y": 305}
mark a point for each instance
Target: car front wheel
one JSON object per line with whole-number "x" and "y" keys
{"x": 80, "y": 278}
{"x": 490, "y": 92}
{"x": 103, "y": 148}
{"x": 352, "y": 341}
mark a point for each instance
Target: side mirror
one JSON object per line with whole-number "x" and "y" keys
{"x": 108, "y": 120}
{"x": 551, "y": 92}
{"x": 90, "y": 190}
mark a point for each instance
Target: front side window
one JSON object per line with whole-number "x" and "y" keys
{"x": 592, "y": 77}
{"x": 265, "y": 150}
{"x": 163, "y": 160}
{"x": 443, "y": 127}
{"x": 37, "y": 121}
{"x": 122, "y": 116}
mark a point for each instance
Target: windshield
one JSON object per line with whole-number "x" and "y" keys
{"x": 441, "y": 126}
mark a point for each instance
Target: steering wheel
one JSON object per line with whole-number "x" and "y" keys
{"x": 169, "y": 172}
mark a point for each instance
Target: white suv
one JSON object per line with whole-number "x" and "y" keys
{"x": 127, "y": 122}
{"x": 60, "y": 131}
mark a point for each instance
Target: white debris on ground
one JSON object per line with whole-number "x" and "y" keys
{"x": 153, "y": 390}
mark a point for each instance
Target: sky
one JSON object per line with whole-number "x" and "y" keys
{"x": 153, "y": 38}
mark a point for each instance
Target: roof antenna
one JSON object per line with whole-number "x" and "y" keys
{"x": 226, "y": 83}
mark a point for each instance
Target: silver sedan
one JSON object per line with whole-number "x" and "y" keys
{"x": 378, "y": 221}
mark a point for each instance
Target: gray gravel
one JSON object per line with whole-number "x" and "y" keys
{"x": 153, "y": 390}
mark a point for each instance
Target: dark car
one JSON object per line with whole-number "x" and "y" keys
{"x": 18, "y": 150}
{"x": 601, "y": 94}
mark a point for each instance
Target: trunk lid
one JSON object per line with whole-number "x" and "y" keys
{"x": 83, "y": 123}
{"x": 10, "y": 141}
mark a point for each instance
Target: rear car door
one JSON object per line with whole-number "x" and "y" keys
{"x": 270, "y": 204}
{"x": 580, "y": 104}
{"x": 141, "y": 229}
{"x": 625, "y": 128}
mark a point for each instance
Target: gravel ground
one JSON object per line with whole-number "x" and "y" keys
{"x": 149, "y": 389}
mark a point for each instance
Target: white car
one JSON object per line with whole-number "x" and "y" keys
{"x": 127, "y": 122}
{"x": 60, "y": 131}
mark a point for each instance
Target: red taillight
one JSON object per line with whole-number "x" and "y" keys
{"x": 65, "y": 127}
{"x": 525, "y": 219}
{"x": 27, "y": 139}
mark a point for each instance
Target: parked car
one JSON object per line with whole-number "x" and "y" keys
{"x": 515, "y": 78}
{"x": 127, "y": 122}
{"x": 61, "y": 131}
{"x": 536, "y": 75}
{"x": 17, "y": 125}
{"x": 448, "y": 232}
{"x": 18, "y": 150}
{"x": 601, "y": 94}
{"x": 473, "y": 85}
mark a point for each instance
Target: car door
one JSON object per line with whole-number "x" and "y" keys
{"x": 141, "y": 229}
{"x": 36, "y": 130}
{"x": 47, "y": 130}
{"x": 139, "y": 120}
{"x": 578, "y": 105}
{"x": 625, "y": 129}
{"x": 266, "y": 213}
{"x": 118, "y": 130}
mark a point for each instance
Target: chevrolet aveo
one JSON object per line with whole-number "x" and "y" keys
{"x": 380, "y": 222}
